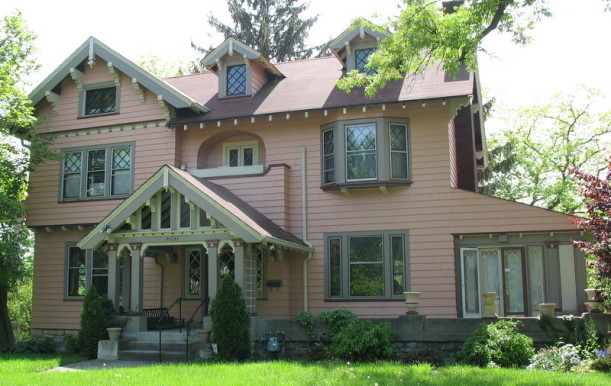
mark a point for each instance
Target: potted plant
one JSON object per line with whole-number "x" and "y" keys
{"x": 115, "y": 328}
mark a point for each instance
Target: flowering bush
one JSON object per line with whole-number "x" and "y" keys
{"x": 603, "y": 362}
{"x": 558, "y": 358}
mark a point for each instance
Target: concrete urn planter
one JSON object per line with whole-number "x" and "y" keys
{"x": 593, "y": 300}
{"x": 547, "y": 309}
{"x": 489, "y": 305}
{"x": 114, "y": 333}
{"x": 412, "y": 302}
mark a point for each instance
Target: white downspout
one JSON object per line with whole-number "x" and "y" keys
{"x": 304, "y": 226}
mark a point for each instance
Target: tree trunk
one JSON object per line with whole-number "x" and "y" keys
{"x": 6, "y": 328}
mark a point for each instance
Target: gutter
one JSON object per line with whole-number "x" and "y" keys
{"x": 304, "y": 227}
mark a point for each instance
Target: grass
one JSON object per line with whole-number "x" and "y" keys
{"x": 30, "y": 370}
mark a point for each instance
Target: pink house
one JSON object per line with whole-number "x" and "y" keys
{"x": 313, "y": 199}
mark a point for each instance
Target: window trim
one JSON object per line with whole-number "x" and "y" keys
{"x": 98, "y": 86}
{"x": 108, "y": 171}
{"x": 223, "y": 77}
{"x": 388, "y": 269}
{"x": 241, "y": 145}
{"x": 383, "y": 154}
{"x": 88, "y": 270}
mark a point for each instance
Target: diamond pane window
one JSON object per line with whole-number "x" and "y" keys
{"x": 121, "y": 170}
{"x": 236, "y": 80}
{"x": 362, "y": 58}
{"x": 335, "y": 260}
{"x": 227, "y": 262}
{"x": 328, "y": 157}
{"x": 194, "y": 273}
{"x": 72, "y": 175}
{"x": 248, "y": 156}
{"x": 100, "y": 101}
{"x": 260, "y": 281}
{"x": 96, "y": 172}
{"x": 361, "y": 157}
{"x": 234, "y": 157}
{"x": 398, "y": 151}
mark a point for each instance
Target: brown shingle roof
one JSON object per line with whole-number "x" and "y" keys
{"x": 310, "y": 85}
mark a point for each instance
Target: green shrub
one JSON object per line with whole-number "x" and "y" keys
{"x": 425, "y": 355}
{"x": 583, "y": 334}
{"x": 19, "y": 303}
{"x": 35, "y": 346}
{"x": 363, "y": 341}
{"x": 97, "y": 315}
{"x": 558, "y": 358}
{"x": 602, "y": 361}
{"x": 305, "y": 319}
{"x": 230, "y": 321}
{"x": 318, "y": 352}
{"x": 336, "y": 320}
{"x": 499, "y": 343}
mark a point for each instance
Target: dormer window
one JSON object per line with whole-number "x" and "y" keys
{"x": 236, "y": 80}
{"x": 362, "y": 58}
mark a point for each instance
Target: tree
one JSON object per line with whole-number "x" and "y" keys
{"x": 426, "y": 32}
{"x": 597, "y": 194}
{"x": 164, "y": 68}
{"x": 96, "y": 317}
{"x": 272, "y": 27}
{"x": 230, "y": 321}
{"x": 540, "y": 145}
{"x": 16, "y": 118}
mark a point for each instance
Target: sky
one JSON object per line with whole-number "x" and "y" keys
{"x": 568, "y": 49}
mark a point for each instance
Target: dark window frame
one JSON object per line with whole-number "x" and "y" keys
{"x": 90, "y": 271}
{"x": 95, "y": 88}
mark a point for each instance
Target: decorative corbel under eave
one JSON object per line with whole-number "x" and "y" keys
{"x": 114, "y": 73}
{"x": 53, "y": 99}
{"x": 77, "y": 76}
{"x": 455, "y": 104}
{"x": 167, "y": 109}
{"x": 139, "y": 89}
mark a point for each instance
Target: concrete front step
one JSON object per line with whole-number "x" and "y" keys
{"x": 152, "y": 356}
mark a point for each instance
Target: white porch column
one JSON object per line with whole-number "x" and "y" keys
{"x": 213, "y": 268}
{"x": 113, "y": 275}
{"x": 238, "y": 253}
{"x": 136, "y": 278}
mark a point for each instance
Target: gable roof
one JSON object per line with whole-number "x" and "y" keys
{"x": 311, "y": 85}
{"x": 240, "y": 218}
{"x": 231, "y": 45}
{"x": 92, "y": 48}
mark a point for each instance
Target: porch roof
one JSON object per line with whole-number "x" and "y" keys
{"x": 240, "y": 218}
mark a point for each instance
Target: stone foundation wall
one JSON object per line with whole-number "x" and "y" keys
{"x": 56, "y": 335}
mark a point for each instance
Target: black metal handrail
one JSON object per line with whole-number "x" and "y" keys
{"x": 203, "y": 303}
{"x": 162, "y": 316}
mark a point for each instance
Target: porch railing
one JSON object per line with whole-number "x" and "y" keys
{"x": 166, "y": 314}
{"x": 203, "y": 304}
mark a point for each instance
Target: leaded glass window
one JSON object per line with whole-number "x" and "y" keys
{"x": 398, "y": 151}
{"x": 194, "y": 273}
{"x": 362, "y": 58}
{"x": 242, "y": 153}
{"x": 96, "y": 172}
{"x": 236, "y": 80}
{"x": 227, "y": 262}
{"x": 72, "y": 175}
{"x": 328, "y": 156}
{"x": 121, "y": 170}
{"x": 361, "y": 157}
{"x": 100, "y": 101}
{"x": 260, "y": 271}
{"x": 335, "y": 266}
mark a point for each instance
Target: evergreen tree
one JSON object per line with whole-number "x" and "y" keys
{"x": 230, "y": 321}
{"x": 97, "y": 315}
{"x": 272, "y": 27}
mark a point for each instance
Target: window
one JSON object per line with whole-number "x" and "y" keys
{"x": 371, "y": 152}
{"x": 245, "y": 153}
{"x": 362, "y": 58}
{"x": 236, "y": 80}
{"x": 97, "y": 172}
{"x": 366, "y": 264}
{"x": 83, "y": 269}
{"x": 260, "y": 272}
{"x": 99, "y": 99}
{"x": 193, "y": 272}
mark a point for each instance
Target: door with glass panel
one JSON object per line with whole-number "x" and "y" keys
{"x": 480, "y": 274}
{"x": 514, "y": 275}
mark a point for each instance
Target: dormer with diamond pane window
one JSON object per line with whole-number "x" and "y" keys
{"x": 354, "y": 46}
{"x": 241, "y": 70}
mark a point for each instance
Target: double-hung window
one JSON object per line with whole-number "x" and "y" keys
{"x": 100, "y": 172}
{"x": 366, "y": 264}
{"x": 85, "y": 268}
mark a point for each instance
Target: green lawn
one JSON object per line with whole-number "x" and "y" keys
{"x": 31, "y": 370}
